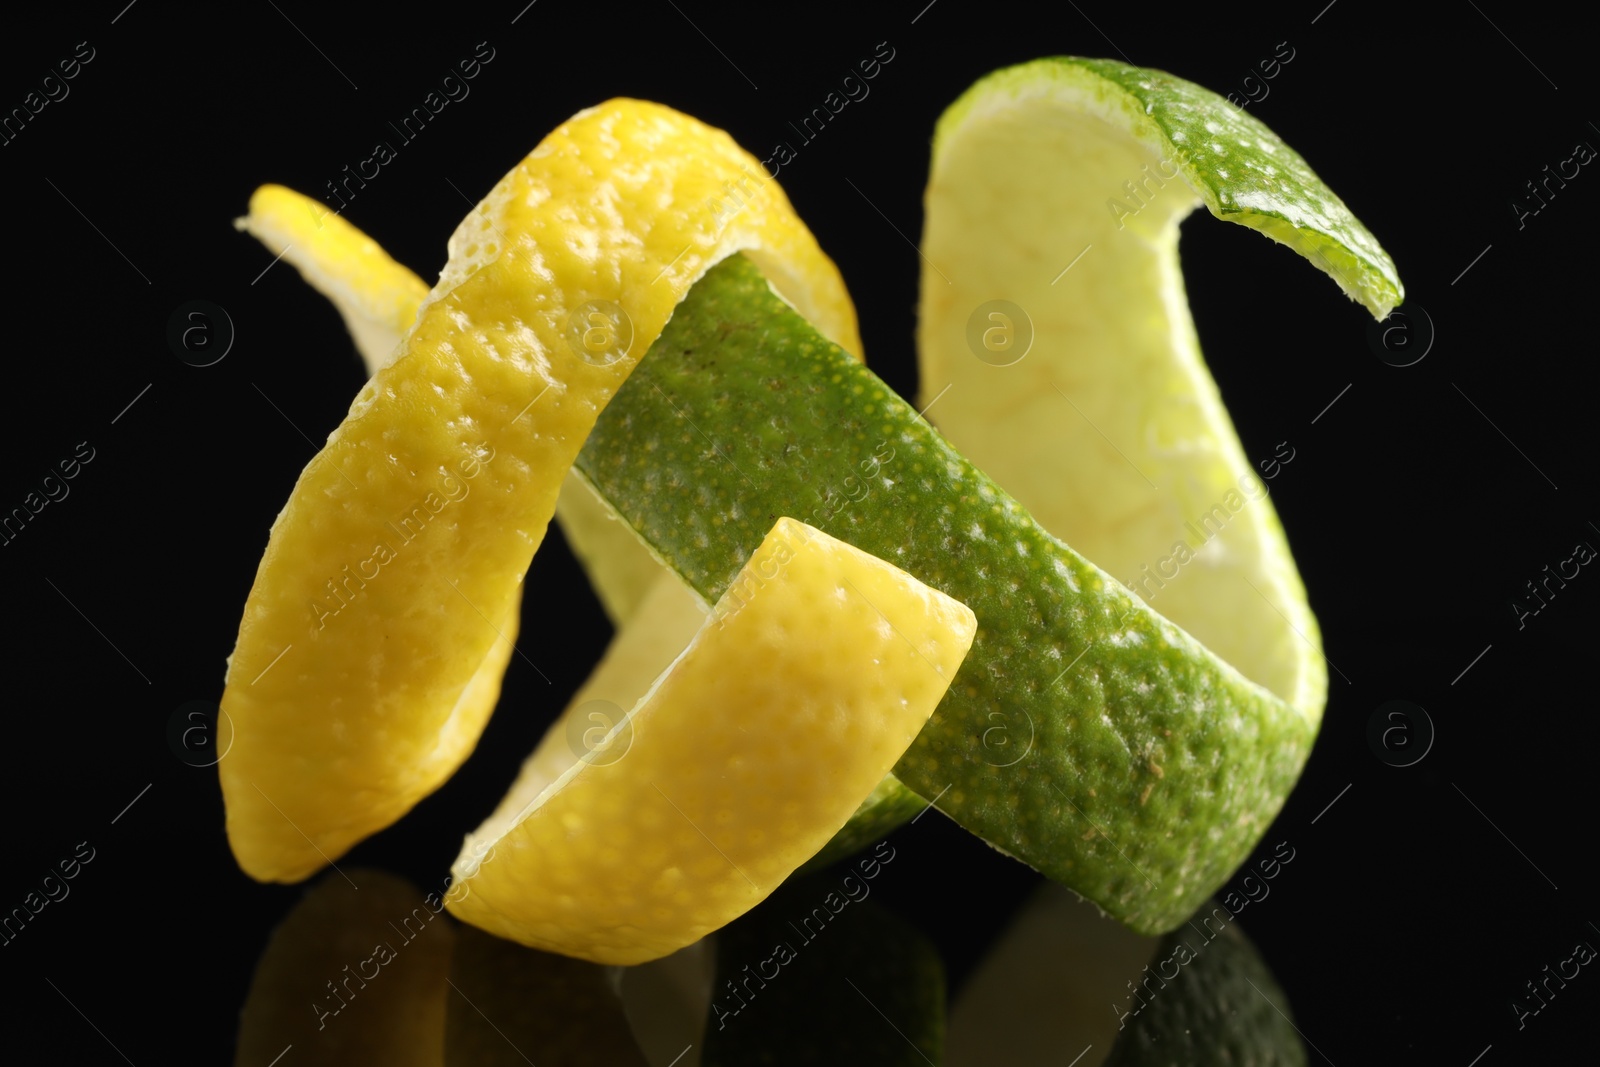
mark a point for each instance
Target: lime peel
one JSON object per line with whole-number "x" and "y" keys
{"x": 1138, "y": 731}
{"x": 1111, "y": 431}
{"x": 1239, "y": 168}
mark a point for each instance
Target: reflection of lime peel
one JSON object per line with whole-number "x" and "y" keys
{"x": 825, "y": 950}
{"x": 1224, "y": 1006}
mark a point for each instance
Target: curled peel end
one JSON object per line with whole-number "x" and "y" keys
{"x": 1241, "y": 170}
{"x": 1374, "y": 285}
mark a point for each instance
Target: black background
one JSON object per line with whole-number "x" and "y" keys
{"x": 1408, "y": 921}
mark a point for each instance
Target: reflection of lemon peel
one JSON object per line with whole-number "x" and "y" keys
{"x": 819, "y": 657}
{"x": 371, "y": 965}
{"x": 513, "y": 1006}
{"x": 1044, "y": 983}
{"x": 363, "y": 717}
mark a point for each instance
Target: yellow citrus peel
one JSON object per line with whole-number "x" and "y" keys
{"x": 384, "y": 608}
{"x": 808, "y": 681}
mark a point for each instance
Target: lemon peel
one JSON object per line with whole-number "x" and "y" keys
{"x": 811, "y": 677}
{"x": 377, "y": 297}
{"x": 656, "y": 613}
{"x": 427, "y": 503}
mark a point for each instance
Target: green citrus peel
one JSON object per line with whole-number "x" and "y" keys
{"x": 1139, "y": 735}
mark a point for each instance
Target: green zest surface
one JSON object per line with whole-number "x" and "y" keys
{"x": 1151, "y": 767}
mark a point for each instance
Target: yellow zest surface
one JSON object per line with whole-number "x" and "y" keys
{"x": 810, "y": 679}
